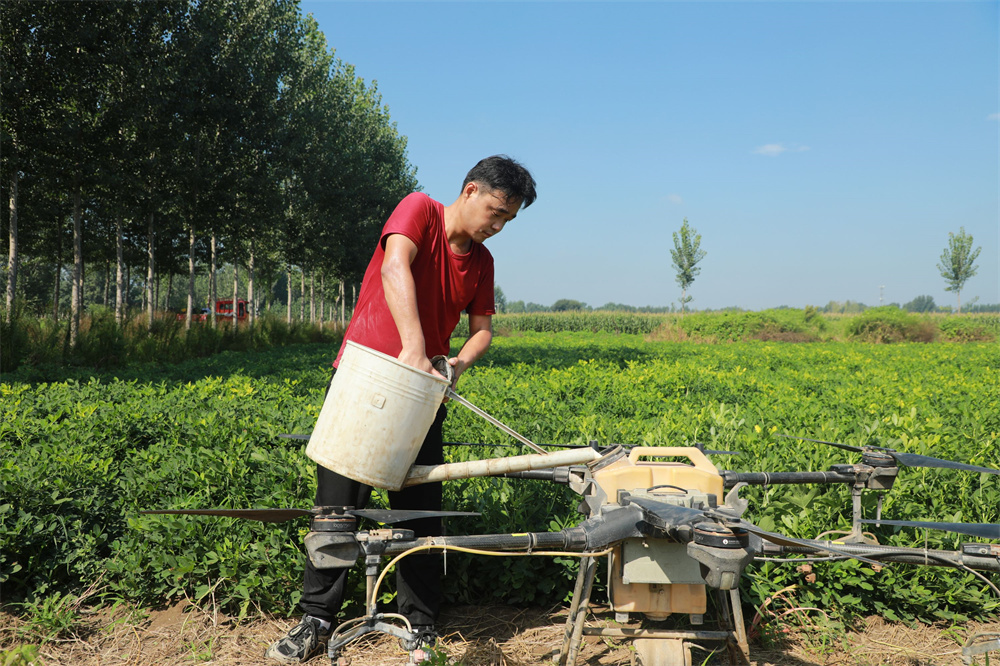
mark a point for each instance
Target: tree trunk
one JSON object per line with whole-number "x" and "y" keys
{"x": 343, "y": 297}
{"x": 212, "y": 294}
{"x": 56, "y": 290}
{"x": 119, "y": 273}
{"x": 12, "y": 259}
{"x": 76, "y": 295}
{"x": 251, "y": 318}
{"x": 302, "y": 301}
{"x": 312, "y": 297}
{"x": 107, "y": 282}
{"x": 288, "y": 294}
{"x": 236, "y": 295}
{"x": 190, "y": 303}
{"x": 150, "y": 273}
{"x": 322, "y": 298}
{"x": 170, "y": 290}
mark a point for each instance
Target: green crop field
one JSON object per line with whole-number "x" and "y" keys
{"x": 81, "y": 456}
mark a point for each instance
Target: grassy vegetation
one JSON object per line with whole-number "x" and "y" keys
{"x": 81, "y": 454}
{"x": 102, "y": 343}
{"x": 881, "y": 325}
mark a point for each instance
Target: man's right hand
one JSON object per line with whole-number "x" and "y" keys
{"x": 417, "y": 359}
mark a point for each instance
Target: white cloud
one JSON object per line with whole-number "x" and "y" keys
{"x": 775, "y": 149}
{"x": 993, "y": 116}
{"x": 770, "y": 149}
{"x": 675, "y": 199}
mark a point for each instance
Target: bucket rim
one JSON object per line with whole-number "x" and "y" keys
{"x": 397, "y": 362}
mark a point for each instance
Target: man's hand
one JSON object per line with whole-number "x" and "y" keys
{"x": 417, "y": 359}
{"x": 480, "y": 336}
{"x": 458, "y": 366}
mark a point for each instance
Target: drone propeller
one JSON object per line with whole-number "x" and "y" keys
{"x": 664, "y": 515}
{"x": 629, "y": 447}
{"x": 698, "y": 445}
{"x": 984, "y": 530}
{"x": 305, "y": 438}
{"x": 906, "y": 459}
{"x": 386, "y": 516}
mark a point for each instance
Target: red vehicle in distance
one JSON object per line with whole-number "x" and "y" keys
{"x": 223, "y": 308}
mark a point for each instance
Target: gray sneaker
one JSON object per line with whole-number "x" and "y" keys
{"x": 302, "y": 642}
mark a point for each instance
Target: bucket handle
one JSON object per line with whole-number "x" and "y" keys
{"x": 441, "y": 364}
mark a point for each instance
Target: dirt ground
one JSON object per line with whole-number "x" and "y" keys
{"x": 474, "y": 636}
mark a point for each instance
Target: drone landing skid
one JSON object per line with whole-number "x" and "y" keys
{"x": 652, "y": 646}
{"x": 371, "y": 624}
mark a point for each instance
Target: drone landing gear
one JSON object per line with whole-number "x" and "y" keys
{"x": 375, "y": 623}
{"x": 653, "y": 647}
{"x": 373, "y": 544}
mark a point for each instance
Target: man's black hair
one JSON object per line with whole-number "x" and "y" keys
{"x": 500, "y": 172}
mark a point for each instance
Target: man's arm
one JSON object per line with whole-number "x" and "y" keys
{"x": 480, "y": 337}
{"x": 401, "y": 296}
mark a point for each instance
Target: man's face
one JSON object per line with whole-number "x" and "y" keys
{"x": 490, "y": 211}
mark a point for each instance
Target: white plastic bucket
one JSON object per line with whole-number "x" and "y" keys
{"x": 375, "y": 417}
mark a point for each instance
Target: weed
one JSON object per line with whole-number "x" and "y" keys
{"x": 199, "y": 651}
{"x": 21, "y": 655}
{"x": 50, "y": 617}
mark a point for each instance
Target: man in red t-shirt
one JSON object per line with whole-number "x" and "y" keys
{"x": 429, "y": 267}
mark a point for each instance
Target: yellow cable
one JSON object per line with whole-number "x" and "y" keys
{"x": 473, "y": 551}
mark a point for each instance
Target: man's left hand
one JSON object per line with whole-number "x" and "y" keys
{"x": 459, "y": 366}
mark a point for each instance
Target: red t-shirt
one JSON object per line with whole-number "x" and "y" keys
{"x": 447, "y": 283}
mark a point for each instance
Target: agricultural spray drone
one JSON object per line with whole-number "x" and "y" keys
{"x": 671, "y": 531}
{"x": 667, "y": 539}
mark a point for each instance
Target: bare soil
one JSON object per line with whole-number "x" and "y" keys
{"x": 474, "y": 636}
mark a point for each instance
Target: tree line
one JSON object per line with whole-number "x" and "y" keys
{"x": 143, "y": 140}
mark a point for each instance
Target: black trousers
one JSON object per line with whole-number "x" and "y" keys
{"x": 418, "y": 576}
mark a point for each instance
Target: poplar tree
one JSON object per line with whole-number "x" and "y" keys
{"x": 143, "y": 138}
{"x": 958, "y": 262}
{"x": 686, "y": 254}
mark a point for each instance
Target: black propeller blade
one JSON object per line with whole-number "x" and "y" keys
{"x": 393, "y": 516}
{"x": 306, "y": 439}
{"x": 712, "y": 452}
{"x": 698, "y": 445}
{"x": 783, "y": 540}
{"x": 906, "y": 459}
{"x": 664, "y": 515}
{"x": 629, "y": 447}
{"x": 386, "y": 516}
{"x": 984, "y": 530}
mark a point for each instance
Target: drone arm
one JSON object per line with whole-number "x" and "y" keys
{"x": 593, "y": 534}
{"x": 984, "y": 560}
{"x": 730, "y": 479}
{"x": 525, "y": 542}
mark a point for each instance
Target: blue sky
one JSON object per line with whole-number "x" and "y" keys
{"x": 823, "y": 150}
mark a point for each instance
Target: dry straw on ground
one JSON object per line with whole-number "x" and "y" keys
{"x": 474, "y": 636}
